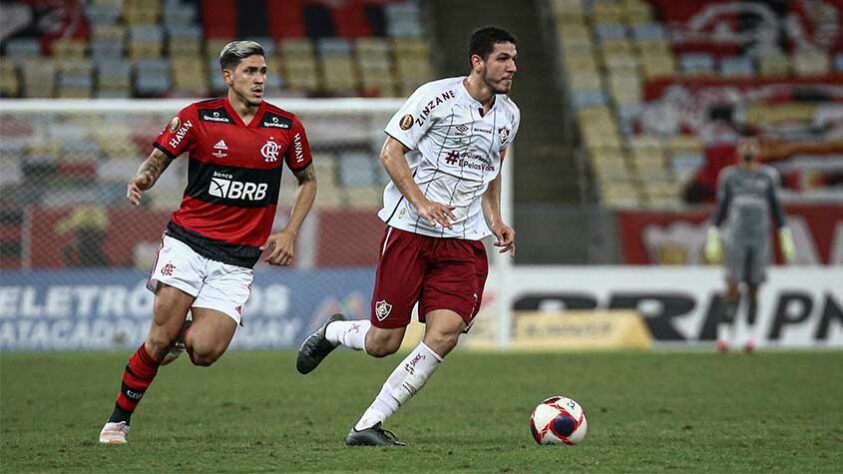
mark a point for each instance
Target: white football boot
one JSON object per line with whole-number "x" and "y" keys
{"x": 114, "y": 433}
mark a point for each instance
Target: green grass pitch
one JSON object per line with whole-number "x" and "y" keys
{"x": 251, "y": 412}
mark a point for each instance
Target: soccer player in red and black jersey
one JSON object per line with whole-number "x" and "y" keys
{"x": 237, "y": 146}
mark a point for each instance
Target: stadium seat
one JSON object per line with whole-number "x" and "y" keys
{"x": 102, "y": 14}
{"x": 648, "y": 32}
{"x": 152, "y": 77}
{"x": 75, "y": 79}
{"x": 606, "y": 12}
{"x": 403, "y": 20}
{"x": 21, "y": 49}
{"x": 338, "y": 75}
{"x": 68, "y": 48}
{"x": 190, "y": 76}
{"x": 625, "y": 88}
{"x": 737, "y": 66}
{"x": 113, "y": 78}
{"x": 146, "y": 41}
{"x": 39, "y": 78}
{"x": 356, "y": 170}
{"x": 375, "y": 66}
{"x": 773, "y": 64}
{"x": 9, "y": 80}
{"x": 694, "y": 64}
{"x": 610, "y": 31}
{"x": 838, "y": 63}
{"x": 107, "y": 41}
{"x": 810, "y": 63}
{"x": 179, "y": 13}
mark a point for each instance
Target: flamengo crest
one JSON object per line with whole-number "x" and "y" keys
{"x": 269, "y": 150}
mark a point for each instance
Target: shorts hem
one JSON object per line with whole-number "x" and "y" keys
{"x": 152, "y": 284}
{"x": 237, "y": 319}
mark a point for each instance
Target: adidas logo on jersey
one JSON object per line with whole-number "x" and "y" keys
{"x": 221, "y": 148}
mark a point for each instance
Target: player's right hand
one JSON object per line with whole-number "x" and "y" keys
{"x": 713, "y": 247}
{"x": 788, "y": 248}
{"x": 138, "y": 185}
{"x": 436, "y": 213}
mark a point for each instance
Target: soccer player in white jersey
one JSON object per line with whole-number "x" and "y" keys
{"x": 746, "y": 197}
{"x": 443, "y": 152}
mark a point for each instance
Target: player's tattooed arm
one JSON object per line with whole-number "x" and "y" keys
{"x": 305, "y": 175}
{"x": 283, "y": 243}
{"x": 148, "y": 173}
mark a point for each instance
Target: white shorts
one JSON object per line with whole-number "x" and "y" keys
{"x": 215, "y": 285}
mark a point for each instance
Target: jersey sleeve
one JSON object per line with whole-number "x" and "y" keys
{"x": 180, "y": 134}
{"x": 411, "y": 121}
{"x": 773, "y": 198}
{"x": 298, "y": 155}
{"x": 516, "y": 123}
{"x": 724, "y": 196}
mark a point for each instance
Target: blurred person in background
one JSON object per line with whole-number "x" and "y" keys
{"x": 747, "y": 194}
{"x": 237, "y": 146}
{"x": 443, "y": 152}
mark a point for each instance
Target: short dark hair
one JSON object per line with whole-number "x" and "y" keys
{"x": 235, "y": 51}
{"x": 484, "y": 39}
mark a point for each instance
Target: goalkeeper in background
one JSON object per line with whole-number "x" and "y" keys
{"x": 746, "y": 195}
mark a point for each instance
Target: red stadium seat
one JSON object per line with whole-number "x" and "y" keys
{"x": 219, "y": 18}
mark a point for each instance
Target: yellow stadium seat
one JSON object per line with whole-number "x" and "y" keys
{"x": 774, "y": 65}
{"x": 810, "y": 63}
{"x": 39, "y": 78}
{"x": 190, "y": 75}
{"x": 66, "y": 48}
{"x": 9, "y": 81}
{"x": 338, "y": 74}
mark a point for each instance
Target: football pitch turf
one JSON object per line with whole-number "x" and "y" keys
{"x": 252, "y": 412}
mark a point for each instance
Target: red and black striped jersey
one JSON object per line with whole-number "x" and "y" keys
{"x": 234, "y": 176}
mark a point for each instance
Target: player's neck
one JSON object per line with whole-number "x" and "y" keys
{"x": 245, "y": 110}
{"x": 480, "y": 91}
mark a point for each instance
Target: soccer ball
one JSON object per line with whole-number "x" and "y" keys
{"x": 558, "y": 420}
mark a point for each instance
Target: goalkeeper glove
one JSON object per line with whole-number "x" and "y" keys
{"x": 713, "y": 247}
{"x": 786, "y": 242}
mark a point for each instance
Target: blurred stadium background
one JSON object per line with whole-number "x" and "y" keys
{"x": 629, "y": 110}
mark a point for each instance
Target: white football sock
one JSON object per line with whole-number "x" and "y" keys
{"x": 404, "y": 382}
{"x": 350, "y": 334}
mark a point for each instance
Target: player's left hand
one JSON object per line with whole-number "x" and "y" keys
{"x": 282, "y": 245}
{"x": 505, "y": 238}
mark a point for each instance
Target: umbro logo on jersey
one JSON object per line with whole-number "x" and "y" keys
{"x": 462, "y": 128}
{"x": 221, "y": 148}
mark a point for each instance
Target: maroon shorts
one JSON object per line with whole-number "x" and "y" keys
{"x": 436, "y": 273}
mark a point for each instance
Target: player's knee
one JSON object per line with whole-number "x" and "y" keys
{"x": 204, "y": 354}
{"x": 382, "y": 348}
{"x": 441, "y": 342}
{"x": 157, "y": 344}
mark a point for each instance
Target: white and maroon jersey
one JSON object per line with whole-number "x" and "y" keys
{"x": 234, "y": 176}
{"x": 455, "y": 152}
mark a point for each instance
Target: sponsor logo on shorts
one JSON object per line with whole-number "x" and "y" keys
{"x": 167, "y": 270}
{"x": 406, "y": 122}
{"x": 382, "y": 309}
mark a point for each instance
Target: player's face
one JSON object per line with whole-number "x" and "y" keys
{"x": 748, "y": 150}
{"x": 247, "y": 79}
{"x": 499, "y": 68}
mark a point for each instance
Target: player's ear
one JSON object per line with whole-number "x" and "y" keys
{"x": 227, "y": 76}
{"x": 476, "y": 62}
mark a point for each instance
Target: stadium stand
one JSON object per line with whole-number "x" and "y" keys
{"x": 353, "y": 48}
{"x": 662, "y": 89}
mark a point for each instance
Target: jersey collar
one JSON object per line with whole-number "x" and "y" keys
{"x": 238, "y": 121}
{"x": 475, "y": 104}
